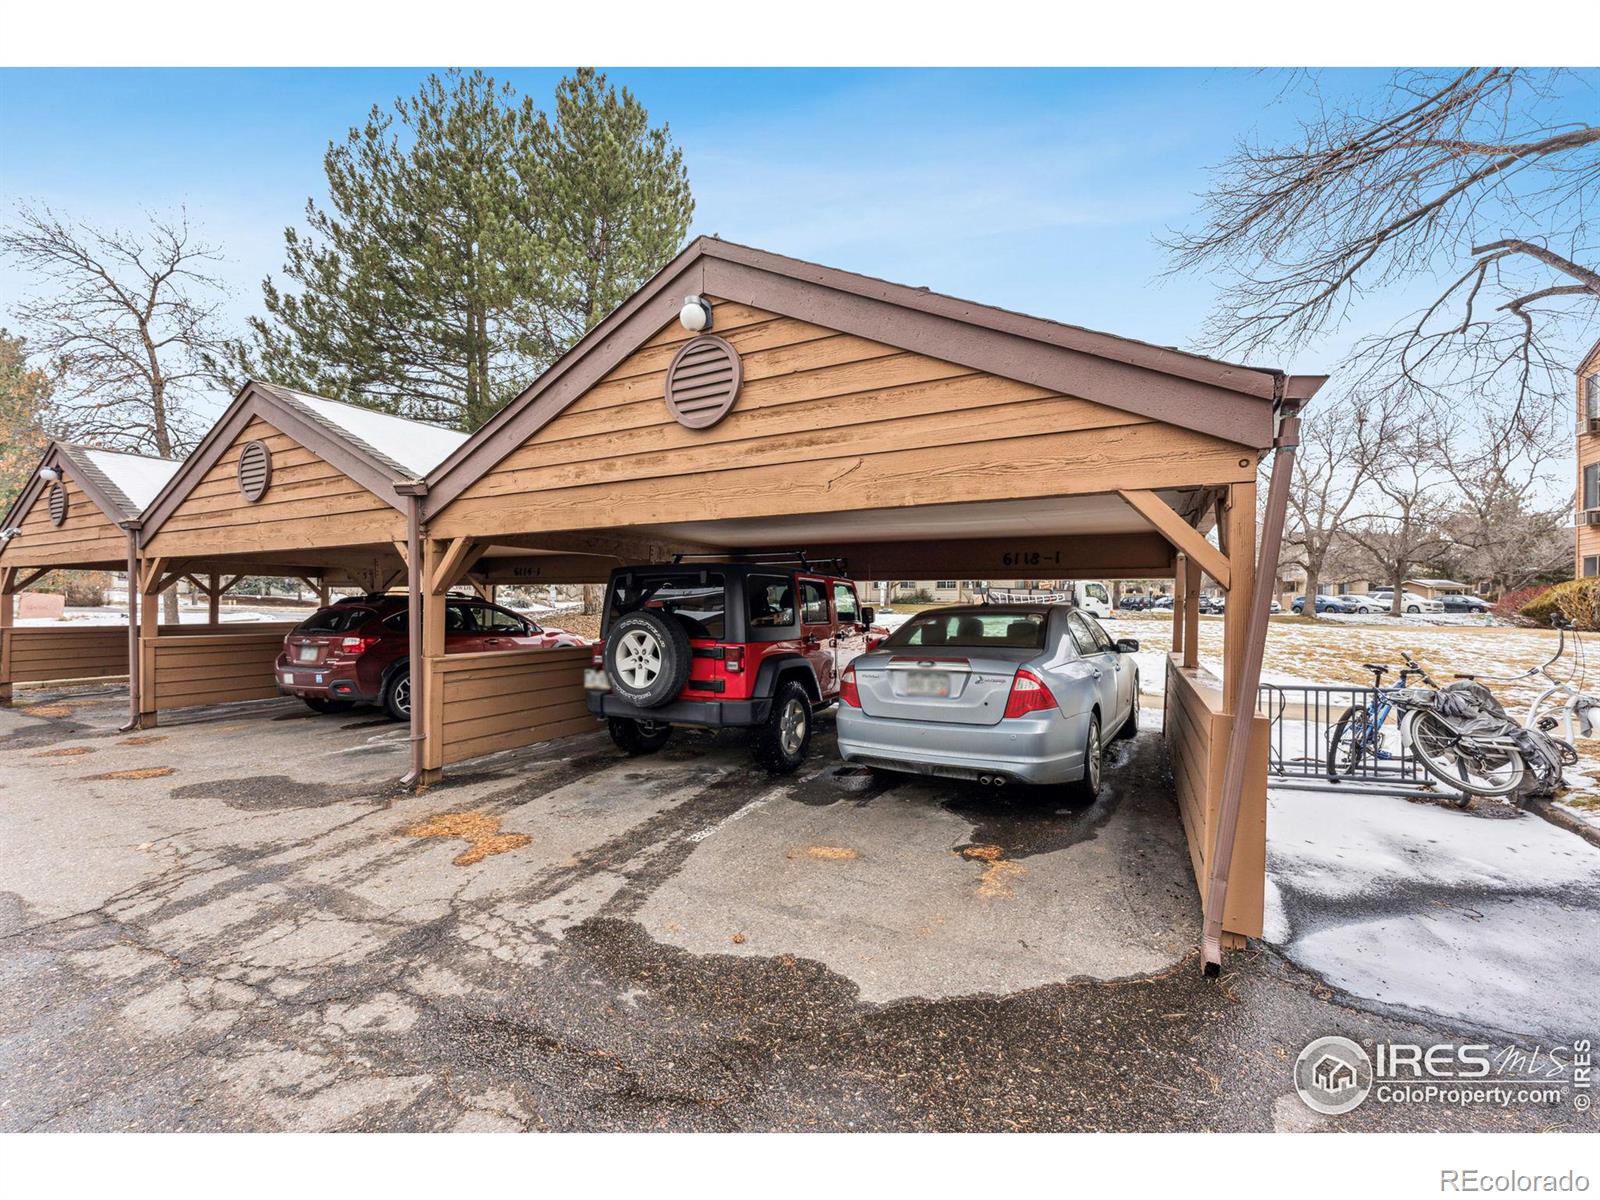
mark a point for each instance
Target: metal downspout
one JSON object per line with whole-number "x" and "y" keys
{"x": 1244, "y": 694}
{"x": 414, "y": 492}
{"x": 132, "y": 528}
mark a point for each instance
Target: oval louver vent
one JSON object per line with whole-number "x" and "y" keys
{"x": 255, "y": 471}
{"x": 703, "y": 382}
{"x": 58, "y": 503}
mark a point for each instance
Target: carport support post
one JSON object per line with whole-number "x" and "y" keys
{"x": 416, "y": 582}
{"x": 213, "y": 599}
{"x": 1240, "y": 538}
{"x": 133, "y": 624}
{"x": 1246, "y": 680}
{"x": 149, "y": 584}
{"x": 1191, "y": 612}
{"x": 1180, "y": 572}
{"x": 8, "y": 618}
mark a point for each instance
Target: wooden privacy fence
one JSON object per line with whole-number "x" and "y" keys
{"x": 483, "y": 703}
{"x": 41, "y": 654}
{"x": 1196, "y": 732}
{"x": 216, "y": 666}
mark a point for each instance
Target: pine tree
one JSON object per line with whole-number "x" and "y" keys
{"x": 468, "y": 241}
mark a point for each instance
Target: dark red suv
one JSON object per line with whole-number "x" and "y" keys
{"x": 725, "y": 642}
{"x": 357, "y": 651}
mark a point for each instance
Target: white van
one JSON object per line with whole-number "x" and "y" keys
{"x": 1091, "y": 595}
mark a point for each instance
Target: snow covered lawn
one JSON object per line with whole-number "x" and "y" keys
{"x": 1495, "y": 921}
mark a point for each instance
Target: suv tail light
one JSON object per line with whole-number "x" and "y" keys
{"x": 1028, "y": 695}
{"x": 847, "y": 688}
{"x": 358, "y": 645}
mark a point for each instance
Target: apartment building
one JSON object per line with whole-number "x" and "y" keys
{"x": 1587, "y": 549}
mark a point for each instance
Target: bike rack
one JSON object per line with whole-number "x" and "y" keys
{"x": 1303, "y": 718}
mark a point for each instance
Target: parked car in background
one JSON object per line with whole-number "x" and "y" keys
{"x": 996, "y": 694}
{"x": 1324, "y": 604}
{"x": 1410, "y": 602}
{"x": 1464, "y": 603}
{"x": 357, "y": 651}
{"x": 1213, "y": 605}
{"x": 717, "y": 644}
{"x": 1134, "y": 603}
{"x": 1161, "y": 604}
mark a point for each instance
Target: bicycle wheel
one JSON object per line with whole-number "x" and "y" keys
{"x": 1347, "y": 744}
{"x": 1476, "y": 770}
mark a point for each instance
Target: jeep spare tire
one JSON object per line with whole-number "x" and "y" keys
{"x": 647, "y": 658}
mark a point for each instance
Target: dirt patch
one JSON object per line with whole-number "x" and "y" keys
{"x": 826, "y": 853}
{"x": 143, "y": 741}
{"x": 480, "y": 831}
{"x": 998, "y": 874}
{"x": 65, "y": 752}
{"x": 136, "y": 773}
{"x": 45, "y": 710}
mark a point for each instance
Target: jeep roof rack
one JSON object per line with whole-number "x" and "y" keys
{"x": 767, "y": 558}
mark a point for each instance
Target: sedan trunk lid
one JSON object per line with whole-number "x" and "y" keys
{"x": 961, "y": 689}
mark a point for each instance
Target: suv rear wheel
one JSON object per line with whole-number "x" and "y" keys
{"x": 647, "y": 658}
{"x": 397, "y": 694}
{"x": 638, "y": 737}
{"x": 780, "y": 743}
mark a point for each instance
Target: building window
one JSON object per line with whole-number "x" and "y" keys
{"x": 1591, "y": 396}
{"x": 1591, "y": 486}
{"x": 946, "y": 585}
{"x": 1591, "y": 565}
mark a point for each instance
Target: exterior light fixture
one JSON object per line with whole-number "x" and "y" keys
{"x": 7, "y": 534}
{"x": 50, "y": 474}
{"x": 695, "y": 315}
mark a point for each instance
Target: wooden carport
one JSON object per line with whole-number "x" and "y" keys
{"x": 284, "y": 484}
{"x": 79, "y": 511}
{"x": 921, "y": 436}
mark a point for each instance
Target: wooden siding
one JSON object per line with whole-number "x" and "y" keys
{"x": 1196, "y": 731}
{"x": 825, "y": 421}
{"x": 310, "y": 503}
{"x": 87, "y": 537}
{"x": 39, "y": 654}
{"x": 499, "y": 701}
{"x": 209, "y": 668}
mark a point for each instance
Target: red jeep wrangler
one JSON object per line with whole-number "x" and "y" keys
{"x": 726, "y": 642}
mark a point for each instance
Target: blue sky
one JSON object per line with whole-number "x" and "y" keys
{"x": 1038, "y": 190}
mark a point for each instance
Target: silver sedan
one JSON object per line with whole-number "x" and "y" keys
{"x": 993, "y": 693}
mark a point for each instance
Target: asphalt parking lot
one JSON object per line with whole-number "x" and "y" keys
{"x": 239, "y": 921}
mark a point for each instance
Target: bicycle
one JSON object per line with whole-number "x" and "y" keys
{"x": 1563, "y": 701}
{"x": 1476, "y": 763}
{"x": 1358, "y": 733}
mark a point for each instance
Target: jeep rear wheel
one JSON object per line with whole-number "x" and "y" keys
{"x": 638, "y": 737}
{"x": 781, "y": 741}
{"x": 647, "y": 658}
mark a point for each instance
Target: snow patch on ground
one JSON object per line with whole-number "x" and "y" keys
{"x": 1407, "y": 903}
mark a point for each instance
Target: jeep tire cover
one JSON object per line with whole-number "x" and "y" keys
{"x": 657, "y": 636}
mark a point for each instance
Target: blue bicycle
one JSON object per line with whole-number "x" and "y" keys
{"x": 1357, "y": 736}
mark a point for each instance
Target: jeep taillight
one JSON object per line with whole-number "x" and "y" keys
{"x": 848, "y": 694}
{"x": 733, "y": 658}
{"x": 1028, "y": 695}
{"x": 598, "y": 659}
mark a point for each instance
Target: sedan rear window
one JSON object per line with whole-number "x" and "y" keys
{"x": 340, "y": 618}
{"x": 973, "y": 631}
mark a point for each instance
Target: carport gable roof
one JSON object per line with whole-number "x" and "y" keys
{"x": 375, "y": 449}
{"x": 1226, "y": 400}
{"x": 119, "y": 483}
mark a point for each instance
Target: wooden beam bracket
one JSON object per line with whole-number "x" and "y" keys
{"x": 1185, "y": 537}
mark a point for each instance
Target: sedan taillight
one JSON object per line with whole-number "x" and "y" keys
{"x": 848, "y": 694}
{"x": 1028, "y": 695}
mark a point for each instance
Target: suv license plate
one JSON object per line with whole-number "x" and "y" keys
{"x": 308, "y": 654}
{"x": 927, "y": 683}
{"x": 595, "y": 680}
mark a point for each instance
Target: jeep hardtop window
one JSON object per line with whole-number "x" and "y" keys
{"x": 770, "y": 600}
{"x": 971, "y": 631}
{"x": 698, "y": 600}
{"x": 340, "y": 618}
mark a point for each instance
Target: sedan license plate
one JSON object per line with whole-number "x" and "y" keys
{"x": 308, "y": 654}
{"x": 927, "y": 683}
{"x": 595, "y": 680}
